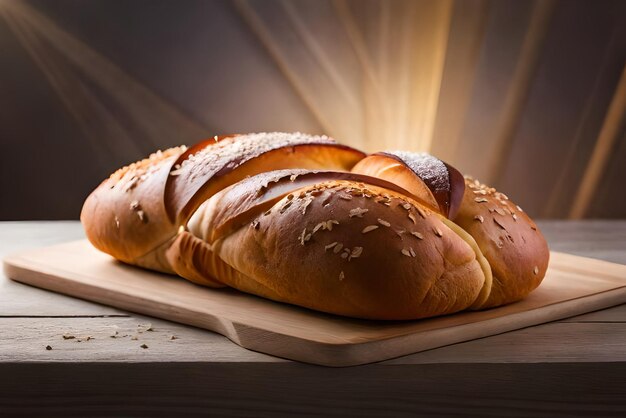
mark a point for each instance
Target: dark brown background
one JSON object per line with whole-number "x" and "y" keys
{"x": 531, "y": 96}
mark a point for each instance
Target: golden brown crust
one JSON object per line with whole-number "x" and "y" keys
{"x": 509, "y": 239}
{"x": 364, "y": 247}
{"x": 136, "y": 213}
{"x": 125, "y": 215}
{"x": 363, "y": 252}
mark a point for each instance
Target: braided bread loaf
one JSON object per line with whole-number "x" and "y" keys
{"x": 304, "y": 220}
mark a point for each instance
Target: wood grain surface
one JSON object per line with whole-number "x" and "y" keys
{"x": 571, "y": 367}
{"x": 573, "y": 285}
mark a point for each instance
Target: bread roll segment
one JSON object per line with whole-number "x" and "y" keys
{"x": 125, "y": 215}
{"x": 511, "y": 242}
{"x": 136, "y": 213}
{"x": 412, "y": 242}
{"x": 360, "y": 251}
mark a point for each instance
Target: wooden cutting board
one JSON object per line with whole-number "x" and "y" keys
{"x": 573, "y": 285}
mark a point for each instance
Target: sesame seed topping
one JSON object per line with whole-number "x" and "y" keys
{"x": 318, "y": 226}
{"x": 117, "y": 222}
{"x": 406, "y": 252}
{"x": 344, "y": 255}
{"x": 329, "y": 224}
{"x": 480, "y": 200}
{"x": 498, "y": 223}
{"x": 134, "y": 205}
{"x": 499, "y": 211}
{"x": 406, "y": 206}
{"x": 357, "y": 212}
{"x": 285, "y": 206}
{"x": 383, "y": 222}
{"x": 337, "y": 248}
{"x": 142, "y": 216}
{"x": 345, "y": 197}
{"x": 307, "y": 237}
{"x": 329, "y": 246}
{"x": 518, "y": 208}
{"x": 301, "y": 237}
{"x": 306, "y": 204}
{"x": 515, "y": 217}
{"x": 356, "y": 252}
{"x": 417, "y": 235}
{"x": 421, "y": 212}
{"x": 341, "y": 275}
{"x": 437, "y": 232}
{"x": 255, "y": 224}
{"x": 479, "y": 218}
{"x": 412, "y": 252}
{"x": 412, "y": 218}
{"x": 536, "y": 270}
{"x": 369, "y": 228}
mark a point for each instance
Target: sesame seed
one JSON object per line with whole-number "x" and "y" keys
{"x": 498, "y": 223}
{"x": 117, "y": 222}
{"x": 515, "y": 217}
{"x": 345, "y": 197}
{"x": 285, "y": 206}
{"x": 329, "y": 224}
{"x": 480, "y": 200}
{"x": 358, "y": 212}
{"x": 255, "y": 224}
{"x": 142, "y": 216}
{"x": 412, "y": 252}
{"x": 479, "y": 218}
{"x": 306, "y": 205}
{"x": 437, "y": 232}
{"x": 344, "y": 255}
{"x": 412, "y": 218}
{"x": 356, "y": 252}
{"x": 421, "y": 212}
{"x": 329, "y": 246}
{"x": 341, "y": 275}
{"x": 518, "y": 208}
{"x": 302, "y": 235}
{"x": 406, "y": 252}
{"x": 536, "y": 270}
{"x": 417, "y": 235}
{"x": 318, "y": 226}
{"x": 307, "y": 237}
{"x": 134, "y": 205}
{"x": 369, "y": 228}
{"x": 338, "y": 248}
{"x": 383, "y": 222}
{"x": 406, "y": 206}
{"x": 499, "y": 211}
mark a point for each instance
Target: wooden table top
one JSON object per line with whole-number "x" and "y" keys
{"x": 96, "y": 362}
